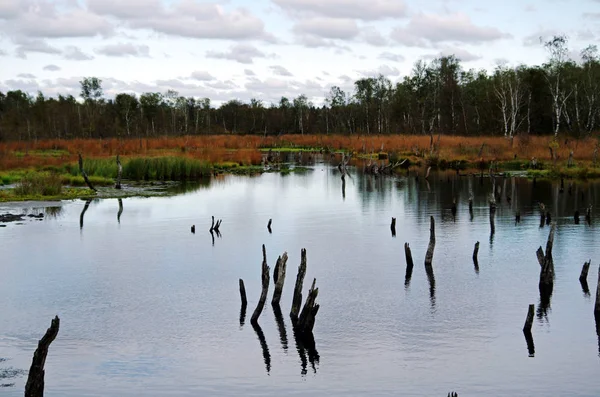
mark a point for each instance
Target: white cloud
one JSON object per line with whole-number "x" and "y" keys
{"x": 424, "y": 29}
{"x": 51, "y": 68}
{"x": 201, "y": 75}
{"x": 185, "y": 18}
{"x": 25, "y": 46}
{"x": 124, "y": 50}
{"x": 356, "y": 9}
{"x": 384, "y": 70}
{"x": 280, "y": 71}
{"x": 373, "y": 37}
{"x": 329, "y": 28}
{"x": 242, "y": 53}
{"x": 388, "y": 56}
{"x": 73, "y": 53}
{"x": 26, "y": 76}
{"x": 249, "y": 72}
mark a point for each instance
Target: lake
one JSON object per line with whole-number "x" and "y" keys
{"x": 148, "y": 308}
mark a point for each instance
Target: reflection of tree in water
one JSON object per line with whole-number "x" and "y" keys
{"x": 263, "y": 345}
{"x": 306, "y": 347}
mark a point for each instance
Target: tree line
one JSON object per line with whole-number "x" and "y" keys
{"x": 440, "y": 96}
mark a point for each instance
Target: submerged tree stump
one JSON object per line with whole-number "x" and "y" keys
{"x": 297, "y": 299}
{"x": 584, "y": 271}
{"x": 119, "y": 173}
{"x": 269, "y": 226}
{"x": 393, "y": 227}
{"x": 547, "y": 264}
{"x": 85, "y": 177}
{"x": 279, "y": 276}
{"x": 306, "y": 321}
{"x": 35, "y": 381}
{"x": 409, "y": 264}
{"x": 475, "y": 252}
{"x": 243, "y": 293}
{"x": 265, "y": 289}
{"x": 431, "y": 246}
{"x": 529, "y": 319}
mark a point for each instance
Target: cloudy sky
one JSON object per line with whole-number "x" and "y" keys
{"x": 228, "y": 49}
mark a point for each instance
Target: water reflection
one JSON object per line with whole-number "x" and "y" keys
{"x": 306, "y": 347}
{"x": 280, "y": 326}
{"x": 120, "y": 211}
{"x": 431, "y": 279}
{"x": 85, "y": 208}
{"x": 263, "y": 345}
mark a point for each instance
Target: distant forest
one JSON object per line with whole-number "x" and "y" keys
{"x": 560, "y": 96}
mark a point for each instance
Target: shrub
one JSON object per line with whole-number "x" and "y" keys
{"x": 39, "y": 184}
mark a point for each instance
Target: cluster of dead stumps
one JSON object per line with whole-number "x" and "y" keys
{"x": 302, "y": 317}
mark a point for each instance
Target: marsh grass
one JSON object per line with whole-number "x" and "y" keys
{"x": 39, "y": 184}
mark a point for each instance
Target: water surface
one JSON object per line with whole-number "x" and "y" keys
{"x": 148, "y": 308}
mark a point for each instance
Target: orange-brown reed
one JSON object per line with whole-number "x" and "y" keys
{"x": 244, "y": 149}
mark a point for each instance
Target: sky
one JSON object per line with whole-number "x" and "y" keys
{"x": 266, "y": 49}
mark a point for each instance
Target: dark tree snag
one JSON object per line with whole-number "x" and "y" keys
{"x": 243, "y": 293}
{"x": 193, "y": 229}
{"x": 306, "y": 321}
{"x": 269, "y": 226}
{"x": 244, "y": 302}
{"x": 530, "y": 345}
{"x": 529, "y": 319}
{"x": 597, "y": 304}
{"x": 547, "y": 269}
{"x": 215, "y": 226}
{"x": 475, "y": 252}
{"x": 409, "y": 264}
{"x": 584, "y": 271}
{"x": 119, "y": 173}
{"x": 393, "y": 227}
{"x": 35, "y": 381}
{"x": 279, "y": 276}
{"x": 121, "y": 212}
{"x": 85, "y": 177}
{"x": 265, "y": 289}
{"x": 297, "y": 299}
{"x": 431, "y": 247}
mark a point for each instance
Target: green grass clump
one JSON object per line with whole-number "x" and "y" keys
{"x": 165, "y": 169}
{"x": 39, "y": 184}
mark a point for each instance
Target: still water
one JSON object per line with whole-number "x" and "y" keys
{"x": 148, "y": 308}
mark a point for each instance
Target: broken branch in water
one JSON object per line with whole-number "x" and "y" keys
{"x": 85, "y": 177}
{"x": 279, "y": 277}
{"x": 297, "y": 299}
{"x": 265, "y": 289}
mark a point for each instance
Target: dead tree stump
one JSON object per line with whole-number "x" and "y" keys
{"x": 243, "y": 293}
{"x": 529, "y": 319}
{"x": 431, "y": 247}
{"x": 265, "y": 289}
{"x": 409, "y": 264}
{"x": 85, "y": 177}
{"x": 393, "y": 227}
{"x": 279, "y": 276}
{"x": 584, "y": 271}
{"x": 547, "y": 264}
{"x": 269, "y": 226}
{"x": 119, "y": 173}
{"x": 35, "y": 381}
{"x": 297, "y": 299}
{"x": 475, "y": 252}
{"x": 306, "y": 321}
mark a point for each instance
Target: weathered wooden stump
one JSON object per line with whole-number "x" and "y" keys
{"x": 215, "y": 226}
{"x": 306, "y": 320}
{"x": 393, "y": 227}
{"x": 279, "y": 277}
{"x": 269, "y": 226}
{"x": 193, "y": 229}
{"x": 431, "y": 246}
{"x": 529, "y": 319}
{"x": 297, "y": 299}
{"x": 475, "y": 252}
{"x": 244, "y": 302}
{"x": 547, "y": 265}
{"x": 35, "y": 381}
{"x": 119, "y": 173}
{"x": 409, "y": 264}
{"x": 584, "y": 271}
{"x": 265, "y": 289}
